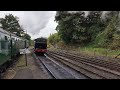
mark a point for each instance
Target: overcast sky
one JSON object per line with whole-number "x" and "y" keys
{"x": 36, "y": 23}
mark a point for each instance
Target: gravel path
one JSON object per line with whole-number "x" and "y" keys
{"x": 24, "y": 74}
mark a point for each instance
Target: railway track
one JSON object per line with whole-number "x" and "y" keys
{"x": 91, "y": 70}
{"x": 72, "y": 71}
{"x": 113, "y": 65}
{"x": 54, "y": 69}
{"x": 49, "y": 71}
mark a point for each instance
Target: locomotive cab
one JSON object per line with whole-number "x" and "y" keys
{"x": 40, "y": 46}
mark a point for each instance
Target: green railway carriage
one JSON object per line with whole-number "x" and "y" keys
{"x": 4, "y": 47}
{"x": 9, "y": 48}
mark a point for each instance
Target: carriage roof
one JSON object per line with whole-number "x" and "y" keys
{"x": 9, "y": 33}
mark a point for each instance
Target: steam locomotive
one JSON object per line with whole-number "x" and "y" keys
{"x": 40, "y": 46}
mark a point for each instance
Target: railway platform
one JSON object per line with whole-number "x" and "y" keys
{"x": 19, "y": 70}
{"x": 24, "y": 74}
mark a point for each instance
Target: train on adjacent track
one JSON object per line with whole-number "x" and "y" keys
{"x": 40, "y": 46}
{"x": 9, "y": 48}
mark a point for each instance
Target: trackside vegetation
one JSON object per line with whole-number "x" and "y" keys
{"x": 97, "y": 32}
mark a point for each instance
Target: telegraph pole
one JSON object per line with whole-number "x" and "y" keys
{"x": 26, "y": 49}
{"x": 25, "y": 53}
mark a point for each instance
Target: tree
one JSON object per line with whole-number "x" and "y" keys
{"x": 69, "y": 25}
{"x": 94, "y": 24}
{"x": 27, "y": 36}
{"x": 76, "y": 28}
{"x": 53, "y": 39}
{"x": 105, "y": 38}
{"x": 109, "y": 15}
{"x": 11, "y": 23}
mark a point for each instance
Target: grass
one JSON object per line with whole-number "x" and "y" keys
{"x": 18, "y": 65}
{"x": 99, "y": 51}
{"x": 93, "y": 51}
{"x": 21, "y": 64}
{"x": 21, "y": 61}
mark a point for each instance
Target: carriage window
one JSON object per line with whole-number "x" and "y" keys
{"x": 6, "y": 38}
{"x": 3, "y": 44}
{"x": 0, "y": 46}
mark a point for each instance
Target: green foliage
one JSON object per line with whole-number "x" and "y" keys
{"x": 31, "y": 42}
{"x": 27, "y": 36}
{"x": 11, "y": 23}
{"x": 116, "y": 41}
{"x": 105, "y": 38}
{"x": 53, "y": 39}
{"x": 76, "y": 28}
{"x": 109, "y": 15}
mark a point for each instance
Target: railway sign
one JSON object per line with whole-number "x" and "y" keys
{"x": 24, "y": 51}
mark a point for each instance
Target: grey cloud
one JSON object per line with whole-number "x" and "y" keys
{"x": 34, "y": 21}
